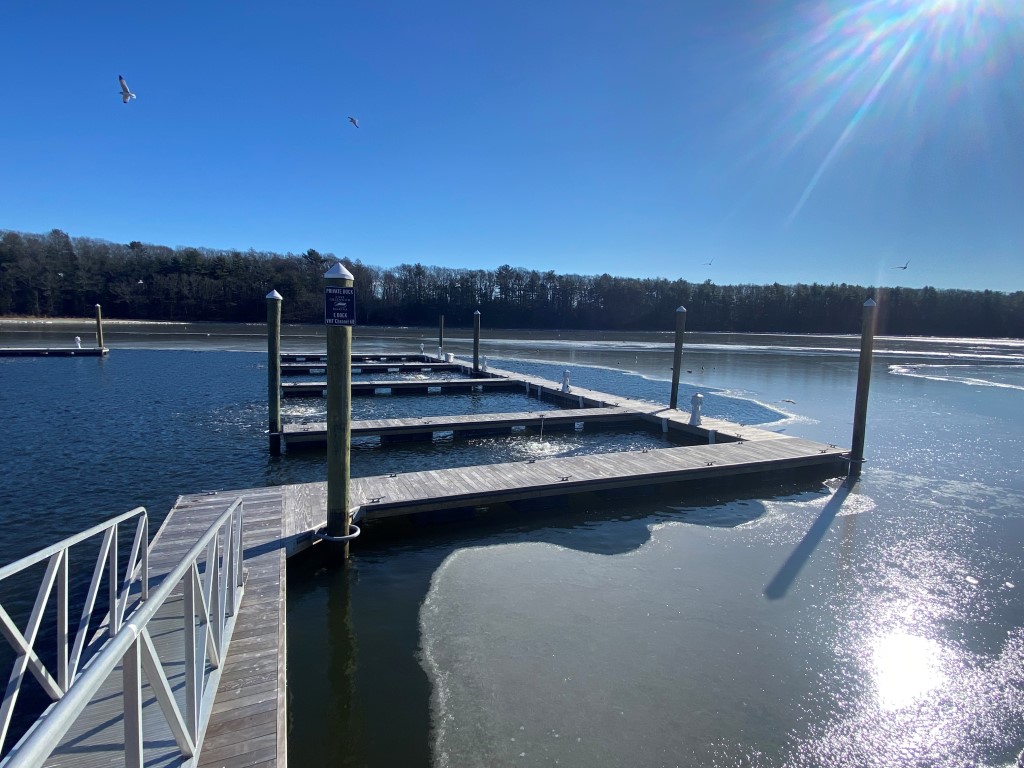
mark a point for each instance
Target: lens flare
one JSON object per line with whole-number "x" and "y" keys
{"x": 899, "y": 72}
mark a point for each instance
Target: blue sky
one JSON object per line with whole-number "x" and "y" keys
{"x": 780, "y": 141}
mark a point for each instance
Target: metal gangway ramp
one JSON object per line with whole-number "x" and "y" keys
{"x": 145, "y": 684}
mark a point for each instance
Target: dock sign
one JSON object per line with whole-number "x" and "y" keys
{"x": 339, "y": 305}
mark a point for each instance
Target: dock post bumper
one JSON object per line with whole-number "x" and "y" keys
{"x": 99, "y": 326}
{"x": 274, "y": 371}
{"x": 677, "y": 356}
{"x": 339, "y": 321}
{"x": 860, "y": 410}
{"x": 695, "y": 403}
{"x": 476, "y": 341}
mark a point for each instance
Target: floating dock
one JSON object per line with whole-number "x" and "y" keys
{"x": 248, "y": 723}
{"x": 53, "y": 351}
{"x": 425, "y": 428}
{"x": 303, "y": 369}
{"x": 406, "y": 386}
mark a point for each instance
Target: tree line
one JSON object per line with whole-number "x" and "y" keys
{"x": 54, "y": 275}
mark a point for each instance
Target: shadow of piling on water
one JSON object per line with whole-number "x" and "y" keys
{"x": 801, "y": 554}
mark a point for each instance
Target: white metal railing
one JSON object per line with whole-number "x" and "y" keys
{"x": 209, "y": 580}
{"x": 57, "y": 574}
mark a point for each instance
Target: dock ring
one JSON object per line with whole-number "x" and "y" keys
{"x": 353, "y": 533}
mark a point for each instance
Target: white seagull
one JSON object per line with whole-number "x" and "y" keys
{"x": 354, "y": 121}
{"x": 126, "y": 95}
{"x": 708, "y": 263}
{"x": 904, "y": 266}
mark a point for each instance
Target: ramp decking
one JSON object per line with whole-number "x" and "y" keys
{"x": 248, "y": 726}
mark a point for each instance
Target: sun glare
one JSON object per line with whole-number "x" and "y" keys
{"x": 905, "y": 667}
{"x": 913, "y": 68}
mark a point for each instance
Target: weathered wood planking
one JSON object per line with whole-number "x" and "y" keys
{"x": 252, "y": 681}
{"x": 319, "y": 388}
{"x": 316, "y": 434}
{"x": 385, "y": 496}
{"x": 305, "y": 369}
{"x": 321, "y": 357}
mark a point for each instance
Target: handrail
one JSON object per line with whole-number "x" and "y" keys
{"x": 120, "y": 592}
{"x": 217, "y": 603}
{"x": 70, "y": 541}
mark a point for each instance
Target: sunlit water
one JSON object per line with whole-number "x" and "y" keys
{"x": 788, "y": 625}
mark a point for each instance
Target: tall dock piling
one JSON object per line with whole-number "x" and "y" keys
{"x": 476, "y": 342}
{"x": 99, "y": 327}
{"x": 677, "y": 356}
{"x": 274, "y": 371}
{"x": 339, "y": 316}
{"x": 860, "y": 411}
{"x": 440, "y": 335}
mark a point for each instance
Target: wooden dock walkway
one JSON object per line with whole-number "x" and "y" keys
{"x": 248, "y": 724}
{"x": 53, "y": 351}
{"x": 413, "y": 492}
{"x": 321, "y": 357}
{"x": 309, "y": 435}
{"x": 305, "y": 369}
{"x": 418, "y": 386}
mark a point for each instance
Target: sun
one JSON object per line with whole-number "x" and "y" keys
{"x": 903, "y": 69}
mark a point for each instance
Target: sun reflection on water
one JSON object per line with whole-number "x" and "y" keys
{"x": 905, "y": 667}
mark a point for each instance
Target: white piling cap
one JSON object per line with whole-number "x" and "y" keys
{"x": 338, "y": 270}
{"x": 274, "y": 295}
{"x": 477, "y": 312}
{"x": 681, "y": 308}
{"x": 869, "y": 303}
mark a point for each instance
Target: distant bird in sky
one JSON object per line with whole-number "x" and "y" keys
{"x": 126, "y": 95}
{"x": 354, "y": 121}
{"x": 708, "y": 263}
{"x": 904, "y": 266}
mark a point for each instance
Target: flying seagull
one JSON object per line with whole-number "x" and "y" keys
{"x": 354, "y": 121}
{"x": 126, "y": 95}
{"x": 904, "y": 266}
{"x": 708, "y": 263}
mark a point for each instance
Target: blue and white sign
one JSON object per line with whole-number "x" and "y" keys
{"x": 339, "y": 305}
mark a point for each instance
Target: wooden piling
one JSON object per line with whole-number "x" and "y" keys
{"x": 476, "y": 342}
{"x": 274, "y": 371}
{"x": 99, "y": 327}
{"x": 440, "y": 334}
{"x": 860, "y": 411}
{"x": 339, "y": 401}
{"x": 677, "y": 356}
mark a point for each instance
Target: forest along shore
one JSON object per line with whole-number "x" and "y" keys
{"x": 61, "y": 276}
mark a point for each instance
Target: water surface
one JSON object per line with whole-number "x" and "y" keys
{"x": 769, "y": 625}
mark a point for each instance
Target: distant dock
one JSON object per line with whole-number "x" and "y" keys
{"x": 53, "y": 351}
